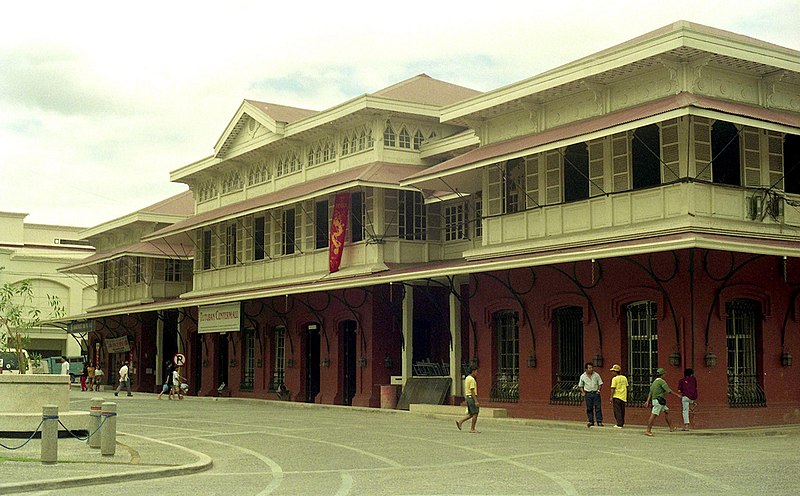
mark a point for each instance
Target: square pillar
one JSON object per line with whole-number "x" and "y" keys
{"x": 456, "y": 384}
{"x": 408, "y": 333}
{"x": 159, "y": 348}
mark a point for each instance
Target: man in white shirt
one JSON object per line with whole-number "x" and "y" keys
{"x": 589, "y": 384}
{"x": 124, "y": 380}
{"x": 65, "y": 369}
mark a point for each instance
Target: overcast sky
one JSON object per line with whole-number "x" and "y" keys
{"x": 99, "y": 102}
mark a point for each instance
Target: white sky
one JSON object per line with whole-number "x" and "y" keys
{"x": 100, "y": 101}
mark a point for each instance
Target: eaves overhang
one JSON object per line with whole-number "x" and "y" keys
{"x": 597, "y": 127}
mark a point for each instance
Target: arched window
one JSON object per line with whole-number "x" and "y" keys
{"x": 742, "y": 333}
{"x": 278, "y": 359}
{"x": 642, "y": 327}
{"x": 418, "y": 139}
{"x": 568, "y": 362}
{"x": 345, "y": 145}
{"x": 404, "y": 140}
{"x": 389, "y": 138}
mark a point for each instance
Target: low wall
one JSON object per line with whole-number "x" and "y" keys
{"x": 28, "y": 393}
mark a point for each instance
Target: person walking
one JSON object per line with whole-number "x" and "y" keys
{"x": 589, "y": 384}
{"x": 687, "y": 386}
{"x": 176, "y": 382}
{"x": 658, "y": 389}
{"x": 98, "y": 377}
{"x": 90, "y": 377}
{"x": 65, "y": 370}
{"x": 84, "y": 376}
{"x": 168, "y": 382}
{"x": 471, "y": 398}
{"x": 124, "y": 379}
{"x": 619, "y": 395}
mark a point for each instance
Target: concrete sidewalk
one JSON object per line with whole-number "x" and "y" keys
{"x": 137, "y": 457}
{"x": 141, "y": 458}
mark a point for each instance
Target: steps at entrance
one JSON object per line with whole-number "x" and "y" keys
{"x": 455, "y": 410}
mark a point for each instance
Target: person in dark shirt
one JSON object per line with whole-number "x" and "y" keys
{"x": 687, "y": 386}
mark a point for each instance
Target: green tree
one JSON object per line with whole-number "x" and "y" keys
{"x": 18, "y": 315}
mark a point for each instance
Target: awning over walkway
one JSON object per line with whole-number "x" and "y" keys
{"x": 444, "y": 174}
{"x": 381, "y": 174}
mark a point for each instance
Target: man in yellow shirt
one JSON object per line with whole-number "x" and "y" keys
{"x": 471, "y": 398}
{"x": 619, "y": 395}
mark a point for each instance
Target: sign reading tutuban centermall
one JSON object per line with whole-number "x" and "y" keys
{"x": 219, "y": 318}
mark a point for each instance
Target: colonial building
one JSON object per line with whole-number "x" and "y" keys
{"x": 34, "y": 252}
{"x": 640, "y": 206}
{"x": 133, "y": 316}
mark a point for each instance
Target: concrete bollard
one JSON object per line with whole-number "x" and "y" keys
{"x": 108, "y": 434}
{"x": 95, "y": 408}
{"x": 50, "y": 434}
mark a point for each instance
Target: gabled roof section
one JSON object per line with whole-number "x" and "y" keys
{"x": 173, "y": 251}
{"x": 173, "y": 209}
{"x": 427, "y": 91}
{"x": 679, "y": 42}
{"x": 272, "y": 116}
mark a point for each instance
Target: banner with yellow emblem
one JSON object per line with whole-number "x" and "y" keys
{"x": 341, "y": 211}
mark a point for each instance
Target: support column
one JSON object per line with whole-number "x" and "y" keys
{"x": 159, "y": 348}
{"x": 456, "y": 384}
{"x": 408, "y": 333}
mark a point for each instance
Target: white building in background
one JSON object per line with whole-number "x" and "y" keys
{"x": 35, "y": 252}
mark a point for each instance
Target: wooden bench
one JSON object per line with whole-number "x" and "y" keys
{"x": 459, "y": 411}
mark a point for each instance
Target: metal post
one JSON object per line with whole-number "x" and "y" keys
{"x": 50, "y": 434}
{"x": 96, "y": 419}
{"x": 108, "y": 434}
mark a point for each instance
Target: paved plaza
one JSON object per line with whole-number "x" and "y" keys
{"x": 248, "y": 447}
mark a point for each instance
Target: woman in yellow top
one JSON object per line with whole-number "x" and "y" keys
{"x": 619, "y": 395}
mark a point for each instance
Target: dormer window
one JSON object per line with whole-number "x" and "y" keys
{"x": 418, "y": 139}
{"x": 405, "y": 139}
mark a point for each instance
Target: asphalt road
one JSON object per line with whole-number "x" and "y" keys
{"x": 263, "y": 448}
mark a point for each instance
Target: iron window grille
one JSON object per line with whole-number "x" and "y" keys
{"x": 744, "y": 389}
{"x": 505, "y": 387}
{"x": 569, "y": 358}
{"x": 279, "y": 359}
{"x": 248, "y": 369}
{"x": 642, "y": 349}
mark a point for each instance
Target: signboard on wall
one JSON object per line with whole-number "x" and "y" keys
{"x": 219, "y": 318}
{"x": 118, "y": 345}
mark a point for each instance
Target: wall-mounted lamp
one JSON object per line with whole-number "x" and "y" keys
{"x": 326, "y": 362}
{"x": 530, "y": 361}
{"x": 711, "y": 359}
{"x": 675, "y": 358}
{"x": 597, "y": 361}
{"x": 290, "y": 362}
{"x": 388, "y": 363}
{"x": 786, "y": 359}
{"x": 362, "y": 362}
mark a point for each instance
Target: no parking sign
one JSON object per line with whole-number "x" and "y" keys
{"x": 179, "y": 359}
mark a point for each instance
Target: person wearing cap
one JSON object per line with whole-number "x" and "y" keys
{"x": 619, "y": 395}
{"x": 658, "y": 389}
{"x": 589, "y": 384}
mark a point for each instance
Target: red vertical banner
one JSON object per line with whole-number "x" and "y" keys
{"x": 341, "y": 212}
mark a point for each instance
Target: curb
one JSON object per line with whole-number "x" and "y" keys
{"x": 777, "y": 430}
{"x": 204, "y": 462}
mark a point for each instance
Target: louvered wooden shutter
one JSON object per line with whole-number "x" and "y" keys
{"x": 495, "y": 189}
{"x": 775, "y": 159}
{"x": 369, "y": 213}
{"x": 553, "y": 162}
{"x": 217, "y": 246}
{"x": 303, "y": 218}
{"x": 701, "y": 130}
{"x": 390, "y": 212}
{"x": 752, "y": 157}
{"x": 620, "y": 161}
{"x": 670, "y": 155}
{"x": 532, "y": 181}
{"x": 247, "y": 238}
{"x": 434, "y": 221}
{"x": 596, "y": 168}
{"x": 198, "y": 251}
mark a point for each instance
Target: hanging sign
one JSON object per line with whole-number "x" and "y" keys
{"x": 118, "y": 345}
{"x": 219, "y": 318}
{"x": 341, "y": 210}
